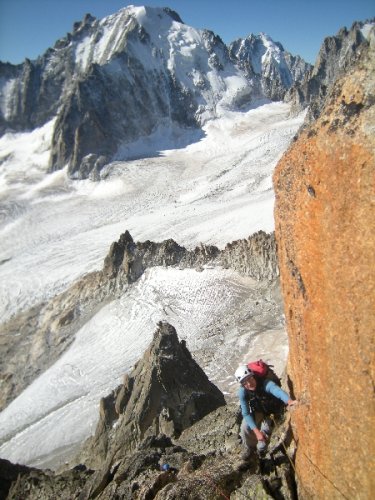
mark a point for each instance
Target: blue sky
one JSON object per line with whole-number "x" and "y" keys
{"x": 29, "y": 27}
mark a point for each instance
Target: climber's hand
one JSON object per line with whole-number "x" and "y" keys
{"x": 292, "y": 402}
{"x": 259, "y": 435}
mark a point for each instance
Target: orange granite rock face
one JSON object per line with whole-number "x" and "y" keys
{"x": 325, "y": 230}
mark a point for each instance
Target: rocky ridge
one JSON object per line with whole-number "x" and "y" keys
{"x": 148, "y": 422}
{"x": 336, "y": 56}
{"x": 46, "y": 330}
{"x": 325, "y": 232}
{"x": 255, "y": 257}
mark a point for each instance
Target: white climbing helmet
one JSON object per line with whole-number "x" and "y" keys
{"x": 242, "y": 372}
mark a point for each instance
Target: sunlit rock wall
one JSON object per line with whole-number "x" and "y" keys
{"x": 325, "y": 231}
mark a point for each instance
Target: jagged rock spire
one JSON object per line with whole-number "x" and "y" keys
{"x": 165, "y": 393}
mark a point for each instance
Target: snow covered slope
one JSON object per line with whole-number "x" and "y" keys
{"x": 54, "y": 230}
{"x": 217, "y": 190}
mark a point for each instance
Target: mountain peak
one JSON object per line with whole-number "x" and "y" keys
{"x": 115, "y": 80}
{"x": 151, "y": 18}
{"x": 270, "y": 43}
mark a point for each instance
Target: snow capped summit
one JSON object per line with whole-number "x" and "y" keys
{"x": 272, "y": 69}
{"x": 137, "y": 72}
{"x": 97, "y": 42}
{"x": 158, "y": 40}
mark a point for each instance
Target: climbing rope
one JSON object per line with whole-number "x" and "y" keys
{"x": 325, "y": 477}
{"x": 215, "y": 486}
{"x": 286, "y": 451}
{"x": 312, "y": 463}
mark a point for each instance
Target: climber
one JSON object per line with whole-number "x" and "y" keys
{"x": 259, "y": 398}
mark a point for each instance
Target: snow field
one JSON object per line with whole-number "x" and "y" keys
{"x": 214, "y": 191}
{"x": 53, "y": 230}
{"x": 63, "y": 402}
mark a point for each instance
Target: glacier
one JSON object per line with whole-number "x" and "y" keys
{"x": 53, "y": 230}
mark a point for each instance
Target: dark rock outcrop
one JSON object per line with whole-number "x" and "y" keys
{"x": 165, "y": 393}
{"x": 164, "y": 414}
{"x": 325, "y": 231}
{"x": 254, "y": 257}
{"x": 19, "y": 482}
{"x": 105, "y": 110}
{"x": 128, "y": 260}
